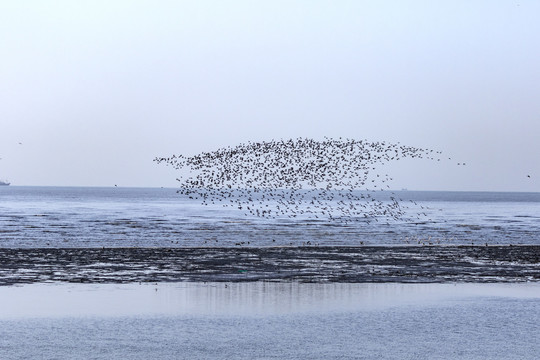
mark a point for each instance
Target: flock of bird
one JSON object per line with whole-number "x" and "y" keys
{"x": 332, "y": 178}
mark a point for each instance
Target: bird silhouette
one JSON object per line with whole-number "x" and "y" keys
{"x": 298, "y": 177}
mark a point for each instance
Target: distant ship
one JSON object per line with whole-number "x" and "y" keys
{"x": 2, "y": 182}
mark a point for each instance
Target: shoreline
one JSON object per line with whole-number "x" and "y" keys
{"x": 311, "y": 264}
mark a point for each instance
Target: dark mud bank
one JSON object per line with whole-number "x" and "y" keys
{"x": 304, "y": 264}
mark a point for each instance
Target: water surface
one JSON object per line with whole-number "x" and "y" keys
{"x": 270, "y": 321}
{"x": 151, "y": 217}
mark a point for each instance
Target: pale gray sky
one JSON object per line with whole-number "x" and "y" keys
{"x": 94, "y": 90}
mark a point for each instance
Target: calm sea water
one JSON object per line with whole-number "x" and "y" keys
{"x": 270, "y": 321}
{"x": 124, "y": 217}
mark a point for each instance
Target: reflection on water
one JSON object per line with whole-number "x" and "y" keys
{"x": 241, "y": 299}
{"x": 270, "y": 321}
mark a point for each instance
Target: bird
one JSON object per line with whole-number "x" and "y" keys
{"x": 294, "y": 178}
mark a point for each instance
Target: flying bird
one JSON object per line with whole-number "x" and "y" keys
{"x": 297, "y": 178}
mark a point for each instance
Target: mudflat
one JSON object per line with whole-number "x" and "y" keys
{"x": 359, "y": 264}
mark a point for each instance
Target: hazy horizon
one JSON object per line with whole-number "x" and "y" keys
{"x": 93, "y": 92}
{"x": 359, "y": 189}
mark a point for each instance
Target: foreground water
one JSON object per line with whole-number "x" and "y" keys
{"x": 270, "y": 321}
{"x": 150, "y": 217}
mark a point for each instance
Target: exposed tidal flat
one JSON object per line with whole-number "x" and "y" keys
{"x": 359, "y": 264}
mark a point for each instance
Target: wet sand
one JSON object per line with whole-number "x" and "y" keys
{"x": 364, "y": 264}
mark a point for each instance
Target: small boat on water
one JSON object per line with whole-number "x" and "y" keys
{"x": 3, "y": 182}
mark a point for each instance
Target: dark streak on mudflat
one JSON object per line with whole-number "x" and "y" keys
{"x": 303, "y": 264}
